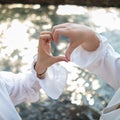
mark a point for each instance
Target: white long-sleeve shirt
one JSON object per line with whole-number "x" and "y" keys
{"x": 105, "y": 63}
{"x": 17, "y": 88}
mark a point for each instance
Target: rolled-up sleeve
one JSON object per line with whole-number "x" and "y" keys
{"x": 21, "y": 87}
{"x": 25, "y": 86}
{"x": 104, "y": 62}
{"x": 55, "y": 80}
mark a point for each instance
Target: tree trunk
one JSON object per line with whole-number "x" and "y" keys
{"x": 98, "y": 3}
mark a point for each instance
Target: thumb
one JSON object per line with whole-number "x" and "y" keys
{"x": 69, "y": 50}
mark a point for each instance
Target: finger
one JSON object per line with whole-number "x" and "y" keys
{"x": 45, "y": 32}
{"x": 45, "y": 37}
{"x": 45, "y": 43}
{"x": 60, "y": 26}
{"x": 58, "y": 32}
{"x": 57, "y": 27}
{"x": 67, "y": 54}
{"x": 64, "y": 25}
{"x": 70, "y": 50}
{"x": 58, "y": 59}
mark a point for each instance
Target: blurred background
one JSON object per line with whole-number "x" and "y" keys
{"x": 86, "y": 94}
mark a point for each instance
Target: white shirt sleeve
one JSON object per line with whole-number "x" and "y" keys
{"x": 55, "y": 80}
{"x": 21, "y": 87}
{"x": 104, "y": 62}
{"x": 25, "y": 86}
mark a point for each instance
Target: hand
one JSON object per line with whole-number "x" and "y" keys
{"x": 45, "y": 59}
{"x": 78, "y": 35}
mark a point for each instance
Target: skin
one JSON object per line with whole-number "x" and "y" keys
{"x": 45, "y": 58}
{"x": 78, "y": 35}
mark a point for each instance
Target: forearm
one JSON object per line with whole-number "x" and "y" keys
{"x": 91, "y": 42}
{"x": 104, "y": 62}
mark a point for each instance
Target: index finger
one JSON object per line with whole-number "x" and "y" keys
{"x": 64, "y": 25}
{"x": 60, "y": 31}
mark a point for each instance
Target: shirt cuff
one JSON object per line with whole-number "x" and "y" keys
{"x": 85, "y": 58}
{"x": 55, "y": 80}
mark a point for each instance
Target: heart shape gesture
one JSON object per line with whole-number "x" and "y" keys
{"x": 78, "y": 35}
{"x": 45, "y": 59}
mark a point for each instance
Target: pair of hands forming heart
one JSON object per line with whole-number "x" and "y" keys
{"x": 77, "y": 34}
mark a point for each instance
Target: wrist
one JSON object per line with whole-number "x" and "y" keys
{"x": 40, "y": 71}
{"x": 41, "y": 75}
